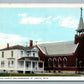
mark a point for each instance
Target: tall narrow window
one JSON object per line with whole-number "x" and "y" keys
{"x": 80, "y": 63}
{"x": 12, "y": 62}
{"x": 2, "y": 54}
{"x": 2, "y": 63}
{"x": 8, "y": 63}
{"x": 65, "y": 61}
{"x": 76, "y": 62}
{"x": 21, "y": 63}
{"x": 50, "y": 62}
{"x": 21, "y": 52}
{"x": 60, "y": 62}
{"x": 11, "y": 53}
{"x": 54, "y": 62}
{"x": 33, "y": 54}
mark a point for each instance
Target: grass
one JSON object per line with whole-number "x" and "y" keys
{"x": 19, "y": 74}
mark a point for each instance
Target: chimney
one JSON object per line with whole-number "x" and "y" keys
{"x": 7, "y": 45}
{"x": 31, "y": 43}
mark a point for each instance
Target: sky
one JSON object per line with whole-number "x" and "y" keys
{"x": 19, "y": 25}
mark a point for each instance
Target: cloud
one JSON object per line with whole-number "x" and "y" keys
{"x": 32, "y": 20}
{"x": 22, "y": 14}
{"x": 50, "y": 42}
{"x": 57, "y": 18}
{"x": 38, "y": 40}
{"x": 49, "y": 17}
{"x": 48, "y": 22}
{"x": 67, "y": 22}
{"x": 12, "y": 39}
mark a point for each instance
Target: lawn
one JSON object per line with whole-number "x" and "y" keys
{"x": 19, "y": 74}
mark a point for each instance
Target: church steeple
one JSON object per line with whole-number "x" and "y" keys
{"x": 81, "y": 11}
{"x": 81, "y": 25}
{"x": 79, "y": 37}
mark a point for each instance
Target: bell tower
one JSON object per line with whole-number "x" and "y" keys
{"x": 79, "y": 39}
{"x": 80, "y": 31}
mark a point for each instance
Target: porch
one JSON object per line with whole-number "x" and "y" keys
{"x": 30, "y": 66}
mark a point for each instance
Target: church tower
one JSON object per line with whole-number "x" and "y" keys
{"x": 81, "y": 26}
{"x": 79, "y": 39}
{"x": 80, "y": 31}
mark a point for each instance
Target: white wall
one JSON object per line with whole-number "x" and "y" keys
{"x": 7, "y": 57}
{"x": 34, "y": 50}
{"x": 30, "y": 54}
{"x": 24, "y": 54}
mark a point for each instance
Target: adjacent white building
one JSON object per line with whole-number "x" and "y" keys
{"x": 19, "y": 59}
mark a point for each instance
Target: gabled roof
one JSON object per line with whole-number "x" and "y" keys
{"x": 58, "y": 48}
{"x": 29, "y": 48}
{"x": 17, "y": 47}
{"x": 14, "y": 47}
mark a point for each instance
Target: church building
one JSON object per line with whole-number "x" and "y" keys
{"x": 64, "y": 56}
{"x": 52, "y": 57}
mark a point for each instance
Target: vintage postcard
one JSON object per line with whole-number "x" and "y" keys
{"x": 41, "y": 42}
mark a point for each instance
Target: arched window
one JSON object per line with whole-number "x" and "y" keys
{"x": 65, "y": 61}
{"x": 54, "y": 62}
{"x": 76, "y": 62}
{"x": 50, "y": 62}
{"x": 60, "y": 62}
{"x": 80, "y": 63}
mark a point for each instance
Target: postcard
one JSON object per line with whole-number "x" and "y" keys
{"x": 41, "y": 42}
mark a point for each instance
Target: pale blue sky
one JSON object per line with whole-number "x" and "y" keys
{"x": 19, "y": 25}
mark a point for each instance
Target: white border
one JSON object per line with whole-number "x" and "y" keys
{"x": 26, "y": 5}
{"x": 40, "y": 78}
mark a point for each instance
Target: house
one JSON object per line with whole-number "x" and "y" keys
{"x": 19, "y": 59}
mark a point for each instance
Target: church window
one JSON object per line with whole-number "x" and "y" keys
{"x": 65, "y": 61}
{"x": 60, "y": 62}
{"x": 80, "y": 63}
{"x": 76, "y": 61}
{"x": 54, "y": 61}
{"x": 50, "y": 62}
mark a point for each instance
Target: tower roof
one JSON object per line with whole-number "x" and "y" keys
{"x": 81, "y": 25}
